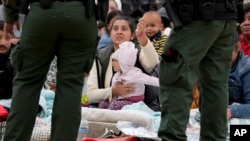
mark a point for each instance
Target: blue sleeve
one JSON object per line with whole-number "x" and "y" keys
{"x": 243, "y": 110}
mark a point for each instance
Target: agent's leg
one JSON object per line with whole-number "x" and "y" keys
{"x": 75, "y": 52}
{"x": 31, "y": 60}
{"x": 177, "y": 77}
{"x": 215, "y": 68}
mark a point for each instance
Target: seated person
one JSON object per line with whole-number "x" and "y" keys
{"x": 166, "y": 24}
{"x": 99, "y": 81}
{"x": 154, "y": 31}
{"x": 123, "y": 62}
{"x": 104, "y": 38}
{"x": 244, "y": 27}
{"x": 239, "y": 84}
{"x": 7, "y": 72}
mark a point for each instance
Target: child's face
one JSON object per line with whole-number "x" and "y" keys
{"x": 153, "y": 24}
{"x": 116, "y": 66}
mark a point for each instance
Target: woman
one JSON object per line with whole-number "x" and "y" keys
{"x": 99, "y": 87}
{"x": 105, "y": 38}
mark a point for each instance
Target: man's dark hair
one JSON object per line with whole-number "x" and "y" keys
{"x": 1, "y": 25}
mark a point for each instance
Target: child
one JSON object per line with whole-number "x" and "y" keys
{"x": 124, "y": 65}
{"x": 153, "y": 30}
{"x": 166, "y": 28}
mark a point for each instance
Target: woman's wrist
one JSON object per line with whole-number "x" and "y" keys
{"x": 139, "y": 35}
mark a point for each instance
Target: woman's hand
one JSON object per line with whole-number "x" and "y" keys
{"x": 140, "y": 32}
{"x": 121, "y": 89}
{"x": 229, "y": 114}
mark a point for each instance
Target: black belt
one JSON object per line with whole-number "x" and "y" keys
{"x": 56, "y": 0}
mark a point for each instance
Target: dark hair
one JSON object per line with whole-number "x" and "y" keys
{"x": 1, "y": 25}
{"x": 165, "y": 22}
{"x": 129, "y": 20}
{"x": 113, "y": 14}
{"x": 246, "y": 7}
{"x": 101, "y": 24}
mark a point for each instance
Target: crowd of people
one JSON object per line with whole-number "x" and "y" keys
{"x": 195, "y": 70}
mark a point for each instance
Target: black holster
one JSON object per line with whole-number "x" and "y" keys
{"x": 45, "y": 4}
{"x": 24, "y": 6}
{"x": 101, "y": 10}
{"x": 89, "y": 8}
{"x": 185, "y": 10}
{"x": 173, "y": 15}
{"x": 207, "y": 9}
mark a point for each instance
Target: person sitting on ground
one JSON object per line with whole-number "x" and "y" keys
{"x": 99, "y": 81}
{"x": 7, "y": 71}
{"x": 105, "y": 38}
{"x": 154, "y": 30}
{"x": 245, "y": 33}
{"x": 166, "y": 24}
{"x": 239, "y": 84}
{"x": 126, "y": 71}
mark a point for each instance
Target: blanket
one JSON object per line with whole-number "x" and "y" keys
{"x": 112, "y": 116}
{"x": 193, "y": 129}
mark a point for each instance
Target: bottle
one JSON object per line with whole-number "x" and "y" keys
{"x": 83, "y": 130}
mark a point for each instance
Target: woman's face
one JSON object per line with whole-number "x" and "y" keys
{"x": 120, "y": 32}
{"x": 245, "y": 25}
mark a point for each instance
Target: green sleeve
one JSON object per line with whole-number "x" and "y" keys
{"x": 11, "y": 10}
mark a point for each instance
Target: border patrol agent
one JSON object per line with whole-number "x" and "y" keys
{"x": 199, "y": 47}
{"x": 63, "y": 28}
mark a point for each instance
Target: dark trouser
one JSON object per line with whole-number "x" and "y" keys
{"x": 206, "y": 49}
{"x": 64, "y": 31}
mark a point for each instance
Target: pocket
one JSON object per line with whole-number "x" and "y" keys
{"x": 173, "y": 73}
{"x": 17, "y": 57}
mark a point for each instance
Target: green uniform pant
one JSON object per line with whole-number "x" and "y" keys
{"x": 62, "y": 31}
{"x": 205, "y": 49}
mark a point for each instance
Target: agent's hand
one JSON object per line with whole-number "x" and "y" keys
{"x": 9, "y": 29}
{"x": 121, "y": 89}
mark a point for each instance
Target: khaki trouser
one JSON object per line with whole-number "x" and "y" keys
{"x": 64, "y": 31}
{"x": 206, "y": 49}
